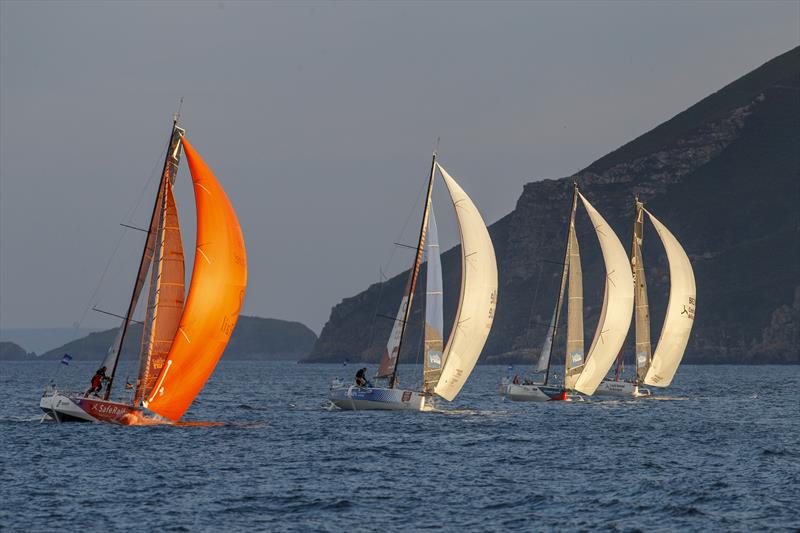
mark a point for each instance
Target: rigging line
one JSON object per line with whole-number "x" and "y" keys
{"x": 420, "y": 196}
{"x": 129, "y": 218}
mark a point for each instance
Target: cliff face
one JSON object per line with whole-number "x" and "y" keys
{"x": 724, "y": 176}
{"x": 14, "y": 352}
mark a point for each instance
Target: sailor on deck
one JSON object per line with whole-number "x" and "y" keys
{"x": 97, "y": 382}
{"x": 361, "y": 380}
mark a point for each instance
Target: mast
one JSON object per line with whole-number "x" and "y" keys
{"x": 564, "y": 273}
{"x": 135, "y": 293}
{"x": 414, "y": 269}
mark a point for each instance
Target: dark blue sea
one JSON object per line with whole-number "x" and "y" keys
{"x": 720, "y": 450}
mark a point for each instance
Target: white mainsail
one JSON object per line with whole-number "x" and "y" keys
{"x": 615, "y": 317}
{"x": 434, "y": 319}
{"x": 680, "y": 311}
{"x": 643, "y": 352}
{"x": 478, "y": 297}
{"x": 575, "y": 355}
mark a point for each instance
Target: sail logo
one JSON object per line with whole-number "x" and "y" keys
{"x": 576, "y": 358}
{"x": 688, "y": 310}
{"x": 641, "y": 357}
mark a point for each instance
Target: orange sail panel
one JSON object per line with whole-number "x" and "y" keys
{"x": 165, "y": 302}
{"x": 215, "y": 297}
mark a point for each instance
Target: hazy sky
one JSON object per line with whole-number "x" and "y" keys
{"x": 319, "y": 120}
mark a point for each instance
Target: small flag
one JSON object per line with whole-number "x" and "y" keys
{"x": 66, "y": 359}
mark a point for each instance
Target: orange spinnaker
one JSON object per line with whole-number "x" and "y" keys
{"x": 215, "y": 296}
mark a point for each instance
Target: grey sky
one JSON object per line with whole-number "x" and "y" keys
{"x": 319, "y": 119}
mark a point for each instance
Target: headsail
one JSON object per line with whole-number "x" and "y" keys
{"x": 170, "y": 170}
{"x": 642, "y": 354}
{"x": 478, "y": 297}
{"x": 547, "y": 345}
{"x": 165, "y": 301}
{"x": 434, "y": 320}
{"x": 574, "y": 360}
{"x": 680, "y": 311}
{"x": 615, "y": 317}
{"x": 217, "y": 289}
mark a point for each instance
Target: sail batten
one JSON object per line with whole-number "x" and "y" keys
{"x": 615, "y": 316}
{"x": 215, "y": 297}
{"x": 679, "y": 317}
{"x": 477, "y": 297}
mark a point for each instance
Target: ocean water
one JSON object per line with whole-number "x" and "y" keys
{"x": 720, "y": 450}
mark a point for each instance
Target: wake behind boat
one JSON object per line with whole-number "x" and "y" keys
{"x": 445, "y": 368}
{"x": 181, "y": 343}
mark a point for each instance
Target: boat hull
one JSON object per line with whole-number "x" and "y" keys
{"x": 532, "y": 393}
{"x": 65, "y": 407}
{"x": 622, "y": 389}
{"x": 353, "y": 398}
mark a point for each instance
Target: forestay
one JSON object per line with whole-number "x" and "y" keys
{"x": 615, "y": 317}
{"x": 680, "y": 311}
{"x": 478, "y": 296}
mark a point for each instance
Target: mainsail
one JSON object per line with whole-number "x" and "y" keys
{"x": 434, "y": 320}
{"x": 680, "y": 311}
{"x": 478, "y": 296}
{"x": 216, "y": 292}
{"x": 615, "y": 317}
{"x": 574, "y": 361}
{"x": 643, "y": 354}
{"x": 168, "y": 175}
{"x": 165, "y": 301}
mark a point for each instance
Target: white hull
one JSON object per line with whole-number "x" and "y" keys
{"x": 531, "y": 393}
{"x": 622, "y": 389}
{"x": 68, "y": 407}
{"x": 353, "y": 398}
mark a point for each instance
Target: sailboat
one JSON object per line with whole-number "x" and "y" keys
{"x": 445, "y": 367}
{"x": 582, "y": 374}
{"x": 659, "y": 369}
{"x": 182, "y": 338}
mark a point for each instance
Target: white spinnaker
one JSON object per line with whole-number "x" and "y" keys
{"x": 680, "y": 311}
{"x": 615, "y": 317}
{"x": 476, "y": 304}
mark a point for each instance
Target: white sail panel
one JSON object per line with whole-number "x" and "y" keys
{"x": 680, "y": 311}
{"x": 643, "y": 353}
{"x": 476, "y": 305}
{"x": 434, "y": 319}
{"x": 547, "y": 346}
{"x": 615, "y": 317}
{"x": 575, "y": 360}
{"x": 392, "y": 350}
